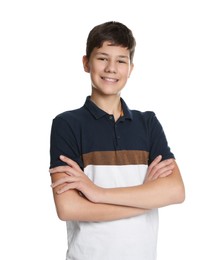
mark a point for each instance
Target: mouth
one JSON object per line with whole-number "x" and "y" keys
{"x": 112, "y": 80}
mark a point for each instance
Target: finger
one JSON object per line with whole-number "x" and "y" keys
{"x": 163, "y": 172}
{"x": 64, "y": 168}
{"x": 69, "y": 161}
{"x": 70, "y": 186}
{"x": 163, "y": 167}
{"x": 160, "y": 168}
{"x": 155, "y": 162}
{"x": 163, "y": 164}
{"x": 167, "y": 162}
{"x": 63, "y": 180}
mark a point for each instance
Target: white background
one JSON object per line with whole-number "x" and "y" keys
{"x": 41, "y": 75}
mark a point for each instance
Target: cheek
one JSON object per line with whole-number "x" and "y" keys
{"x": 126, "y": 73}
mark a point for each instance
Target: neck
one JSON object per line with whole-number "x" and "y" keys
{"x": 110, "y": 104}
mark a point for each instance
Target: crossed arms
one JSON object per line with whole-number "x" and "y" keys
{"x": 78, "y": 198}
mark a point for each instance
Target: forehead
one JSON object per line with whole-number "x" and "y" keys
{"x": 108, "y": 48}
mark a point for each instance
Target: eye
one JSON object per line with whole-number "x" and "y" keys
{"x": 122, "y": 61}
{"x": 102, "y": 58}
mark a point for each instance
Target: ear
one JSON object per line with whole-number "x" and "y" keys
{"x": 86, "y": 63}
{"x": 131, "y": 69}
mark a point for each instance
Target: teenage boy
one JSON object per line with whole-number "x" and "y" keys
{"x": 111, "y": 167}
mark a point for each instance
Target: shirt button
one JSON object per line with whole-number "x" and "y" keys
{"x": 110, "y": 117}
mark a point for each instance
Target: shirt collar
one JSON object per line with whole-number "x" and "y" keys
{"x": 98, "y": 113}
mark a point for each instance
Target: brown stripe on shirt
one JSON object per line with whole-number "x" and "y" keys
{"x": 120, "y": 157}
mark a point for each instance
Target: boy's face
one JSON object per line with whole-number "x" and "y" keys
{"x": 109, "y": 67}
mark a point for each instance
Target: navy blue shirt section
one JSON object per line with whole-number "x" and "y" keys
{"x": 90, "y": 129}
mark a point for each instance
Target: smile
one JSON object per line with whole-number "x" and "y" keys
{"x": 109, "y": 79}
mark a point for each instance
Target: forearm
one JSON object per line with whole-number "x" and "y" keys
{"x": 162, "y": 187}
{"x": 71, "y": 206}
{"x": 154, "y": 194}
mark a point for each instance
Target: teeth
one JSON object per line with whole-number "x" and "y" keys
{"x": 109, "y": 79}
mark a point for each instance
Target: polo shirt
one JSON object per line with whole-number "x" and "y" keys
{"x": 112, "y": 154}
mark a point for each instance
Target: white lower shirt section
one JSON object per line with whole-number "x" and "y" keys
{"x": 126, "y": 239}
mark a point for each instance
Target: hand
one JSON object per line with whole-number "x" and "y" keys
{"x": 75, "y": 179}
{"x": 158, "y": 169}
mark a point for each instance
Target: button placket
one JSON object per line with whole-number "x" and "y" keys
{"x": 117, "y": 135}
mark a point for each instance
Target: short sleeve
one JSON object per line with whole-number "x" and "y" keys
{"x": 63, "y": 141}
{"x": 158, "y": 144}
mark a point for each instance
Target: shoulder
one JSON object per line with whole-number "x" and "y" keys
{"x": 79, "y": 114}
{"x": 70, "y": 115}
{"x": 68, "y": 121}
{"x": 148, "y": 119}
{"x": 145, "y": 116}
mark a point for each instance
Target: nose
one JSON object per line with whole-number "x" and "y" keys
{"x": 111, "y": 67}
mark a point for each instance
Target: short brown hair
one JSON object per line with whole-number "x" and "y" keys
{"x": 116, "y": 33}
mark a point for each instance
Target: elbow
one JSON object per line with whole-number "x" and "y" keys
{"x": 64, "y": 213}
{"x": 62, "y": 216}
{"x": 179, "y": 194}
{"x": 69, "y": 206}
